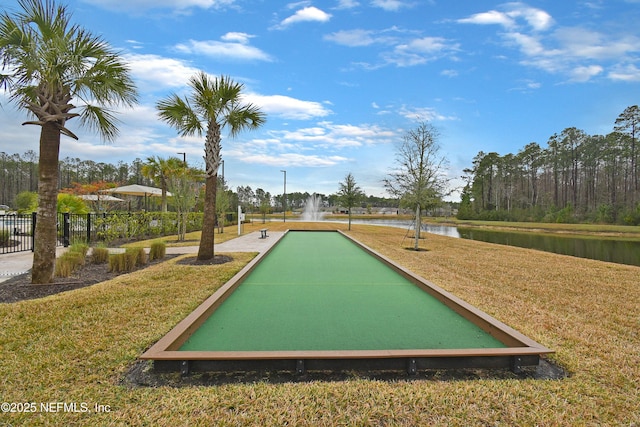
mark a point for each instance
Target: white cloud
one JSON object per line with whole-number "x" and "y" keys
{"x": 580, "y": 42}
{"x": 353, "y": 38}
{"x": 237, "y": 37}
{"x": 287, "y": 107}
{"x": 489, "y": 18}
{"x": 423, "y": 114}
{"x": 298, "y": 4}
{"x": 585, "y": 73}
{"x": 358, "y": 135}
{"x": 158, "y": 73}
{"x": 405, "y": 51}
{"x": 290, "y": 159}
{"x": 526, "y": 86}
{"x": 537, "y": 19}
{"x": 347, "y": 4}
{"x": 578, "y": 53}
{"x": 140, "y": 5}
{"x": 299, "y": 148}
{"x": 626, "y": 73}
{"x": 234, "y": 47}
{"x": 329, "y": 136}
{"x": 307, "y": 14}
{"x": 135, "y": 44}
{"x": 390, "y": 5}
{"x": 530, "y": 46}
{"x": 429, "y": 45}
{"x": 419, "y": 51}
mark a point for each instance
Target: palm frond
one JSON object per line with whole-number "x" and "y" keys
{"x": 47, "y": 62}
{"x": 101, "y": 120}
{"x": 244, "y": 117}
{"x": 177, "y": 112}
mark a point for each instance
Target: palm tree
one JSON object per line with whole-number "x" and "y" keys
{"x": 213, "y": 105}
{"x": 160, "y": 170}
{"x": 48, "y": 63}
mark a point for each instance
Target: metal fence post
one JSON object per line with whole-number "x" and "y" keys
{"x": 66, "y": 228}
{"x": 33, "y": 231}
{"x": 88, "y": 228}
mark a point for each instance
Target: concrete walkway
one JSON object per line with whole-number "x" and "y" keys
{"x": 17, "y": 263}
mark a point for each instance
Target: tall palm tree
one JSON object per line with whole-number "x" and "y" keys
{"x": 160, "y": 170}
{"x": 48, "y": 63}
{"x": 214, "y": 104}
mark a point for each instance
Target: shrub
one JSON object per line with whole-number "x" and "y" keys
{"x": 26, "y": 201}
{"x": 69, "y": 262}
{"x": 81, "y": 248}
{"x": 117, "y": 263}
{"x": 128, "y": 260}
{"x": 605, "y": 214}
{"x": 72, "y": 204}
{"x": 64, "y": 268}
{"x": 100, "y": 255}
{"x": 137, "y": 256}
{"x": 158, "y": 250}
{"x": 631, "y": 216}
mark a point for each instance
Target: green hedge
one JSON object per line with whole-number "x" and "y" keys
{"x": 142, "y": 225}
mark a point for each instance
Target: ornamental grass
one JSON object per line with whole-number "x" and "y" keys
{"x": 157, "y": 250}
{"x": 99, "y": 255}
{"x": 77, "y": 347}
{"x": 71, "y": 260}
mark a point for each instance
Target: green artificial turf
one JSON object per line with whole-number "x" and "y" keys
{"x": 320, "y": 291}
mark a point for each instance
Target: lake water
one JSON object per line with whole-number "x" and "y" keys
{"x": 603, "y": 248}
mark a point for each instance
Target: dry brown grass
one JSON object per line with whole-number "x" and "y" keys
{"x": 74, "y": 347}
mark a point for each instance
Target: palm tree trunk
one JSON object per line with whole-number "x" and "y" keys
{"x": 212, "y": 162}
{"x": 164, "y": 195}
{"x": 44, "y": 251}
{"x": 205, "y": 251}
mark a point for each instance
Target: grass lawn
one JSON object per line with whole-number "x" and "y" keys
{"x": 75, "y": 347}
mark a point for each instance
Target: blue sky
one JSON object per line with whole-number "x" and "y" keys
{"x": 341, "y": 81}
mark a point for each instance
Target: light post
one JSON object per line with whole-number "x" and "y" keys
{"x": 284, "y": 198}
{"x": 184, "y": 158}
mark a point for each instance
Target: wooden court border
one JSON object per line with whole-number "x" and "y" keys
{"x": 520, "y": 351}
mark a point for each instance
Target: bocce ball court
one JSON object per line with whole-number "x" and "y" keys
{"x": 319, "y": 300}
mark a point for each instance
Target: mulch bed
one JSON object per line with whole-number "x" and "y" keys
{"x": 217, "y": 259}
{"x": 20, "y": 288}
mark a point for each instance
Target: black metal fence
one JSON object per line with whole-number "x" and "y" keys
{"x": 17, "y": 231}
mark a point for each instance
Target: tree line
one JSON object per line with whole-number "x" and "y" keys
{"x": 576, "y": 177}
{"x": 19, "y": 174}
